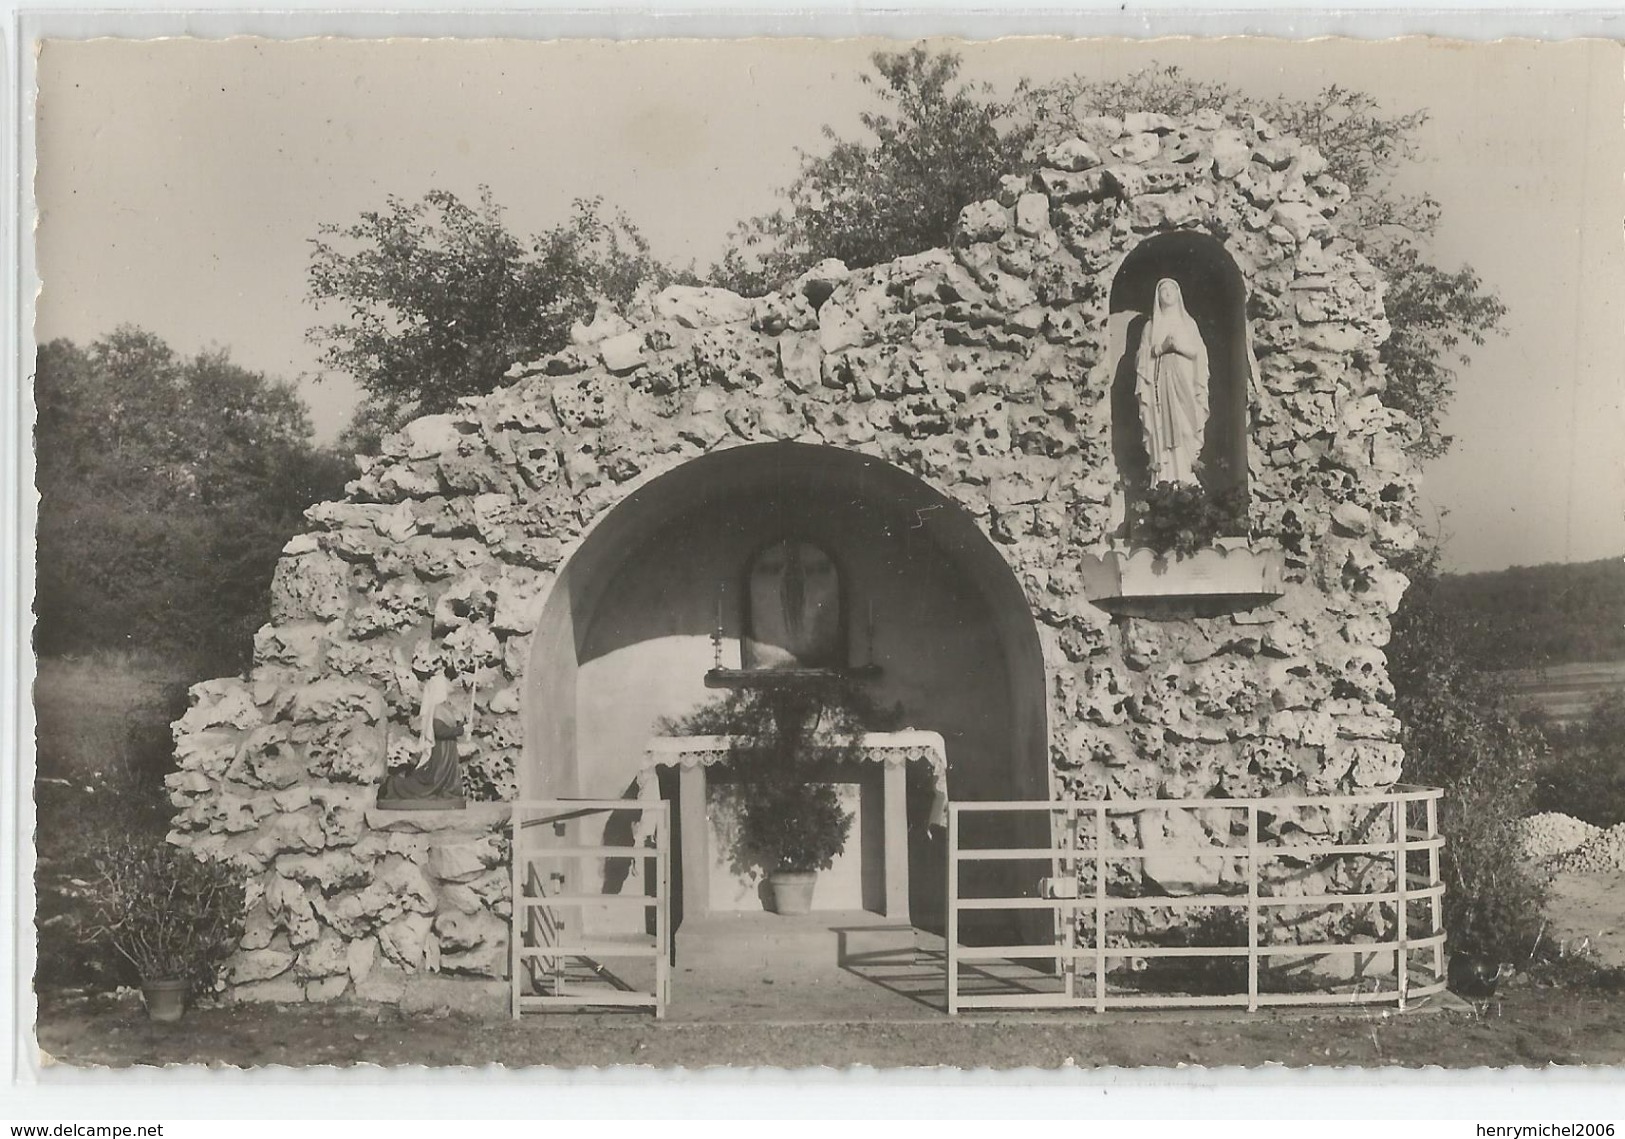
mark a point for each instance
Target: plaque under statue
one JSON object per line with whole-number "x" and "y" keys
{"x": 436, "y": 782}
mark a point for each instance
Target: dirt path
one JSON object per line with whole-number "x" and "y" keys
{"x": 1531, "y": 1027}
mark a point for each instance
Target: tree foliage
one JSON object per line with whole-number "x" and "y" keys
{"x": 937, "y": 146}
{"x": 1586, "y": 775}
{"x": 168, "y": 486}
{"x": 1530, "y": 616}
{"x": 947, "y": 143}
{"x": 436, "y": 299}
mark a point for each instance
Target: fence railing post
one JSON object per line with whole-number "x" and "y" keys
{"x": 1100, "y": 907}
{"x": 1402, "y": 886}
{"x": 516, "y": 902}
{"x": 1252, "y": 907}
{"x": 952, "y": 946}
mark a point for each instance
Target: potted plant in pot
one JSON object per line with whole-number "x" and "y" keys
{"x": 793, "y": 830}
{"x": 174, "y": 918}
{"x": 789, "y": 826}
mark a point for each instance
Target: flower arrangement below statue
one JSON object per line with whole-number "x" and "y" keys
{"x": 1182, "y": 518}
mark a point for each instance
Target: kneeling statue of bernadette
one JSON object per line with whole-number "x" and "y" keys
{"x": 437, "y": 781}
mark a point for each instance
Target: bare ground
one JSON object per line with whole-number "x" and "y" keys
{"x": 1527, "y": 1026}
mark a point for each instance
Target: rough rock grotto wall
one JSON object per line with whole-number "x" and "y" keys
{"x": 984, "y": 371}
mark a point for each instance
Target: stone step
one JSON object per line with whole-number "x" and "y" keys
{"x": 752, "y": 940}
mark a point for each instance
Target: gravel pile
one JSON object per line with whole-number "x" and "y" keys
{"x": 1604, "y": 853}
{"x": 1552, "y": 833}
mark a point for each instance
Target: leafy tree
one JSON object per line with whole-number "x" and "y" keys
{"x": 168, "y": 487}
{"x": 1529, "y": 616}
{"x": 867, "y": 202}
{"x": 437, "y": 299}
{"x": 945, "y": 145}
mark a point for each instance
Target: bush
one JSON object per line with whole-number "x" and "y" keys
{"x": 1585, "y": 777}
{"x": 168, "y": 914}
{"x": 1461, "y": 733}
{"x": 103, "y": 746}
{"x": 786, "y": 824}
{"x": 785, "y": 821}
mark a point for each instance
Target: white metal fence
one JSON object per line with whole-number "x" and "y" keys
{"x": 553, "y": 964}
{"x": 1374, "y": 915}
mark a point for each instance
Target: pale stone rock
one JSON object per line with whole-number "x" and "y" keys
{"x": 983, "y": 221}
{"x": 459, "y": 897}
{"x": 430, "y": 436}
{"x": 1071, "y": 155}
{"x": 327, "y": 988}
{"x": 328, "y": 700}
{"x": 623, "y": 353}
{"x": 1178, "y": 874}
{"x": 1351, "y": 518}
{"x": 325, "y": 957}
{"x": 291, "y": 909}
{"x": 298, "y": 645}
{"x": 487, "y": 960}
{"x": 460, "y": 862}
{"x": 605, "y": 323}
{"x": 360, "y": 956}
{"x": 259, "y": 965}
{"x": 475, "y": 817}
{"x": 1032, "y": 214}
{"x": 402, "y": 940}
{"x": 818, "y": 283}
{"x": 459, "y": 932}
{"x": 699, "y": 307}
{"x": 312, "y": 587}
{"x": 384, "y": 984}
{"x": 301, "y": 544}
{"x": 403, "y": 882}
{"x": 1299, "y": 219}
{"x": 1100, "y": 130}
{"x": 1137, "y": 148}
{"x": 1137, "y": 122}
{"x": 282, "y": 991}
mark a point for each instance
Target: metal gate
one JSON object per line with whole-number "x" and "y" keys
{"x": 1392, "y": 879}
{"x": 552, "y": 963}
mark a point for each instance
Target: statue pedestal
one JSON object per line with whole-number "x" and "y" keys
{"x": 1229, "y": 576}
{"x": 456, "y": 804}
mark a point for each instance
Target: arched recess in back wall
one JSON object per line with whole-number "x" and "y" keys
{"x": 1215, "y": 294}
{"x": 623, "y": 639}
{"x": 706, "y": 499}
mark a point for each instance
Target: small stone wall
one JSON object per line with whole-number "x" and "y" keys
{"x": 985, "y": 371}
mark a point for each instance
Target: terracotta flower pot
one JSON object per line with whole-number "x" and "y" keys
{"x": 792, "y": 890}
{"x": 166, "y": 999}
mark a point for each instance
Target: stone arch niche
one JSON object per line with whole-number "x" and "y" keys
{"x": 1215, "y": 294}
{"x": 625, "y": 637}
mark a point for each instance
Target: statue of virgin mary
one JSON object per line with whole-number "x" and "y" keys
{"x": 1171, "y": 380}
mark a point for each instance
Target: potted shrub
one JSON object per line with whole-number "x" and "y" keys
{"x": 793, "y": 830}
{"x": 789, "y": 827}
{"x": 174, "y": 918}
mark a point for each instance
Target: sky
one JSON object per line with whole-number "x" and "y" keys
{"x": 179, "y": 185}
